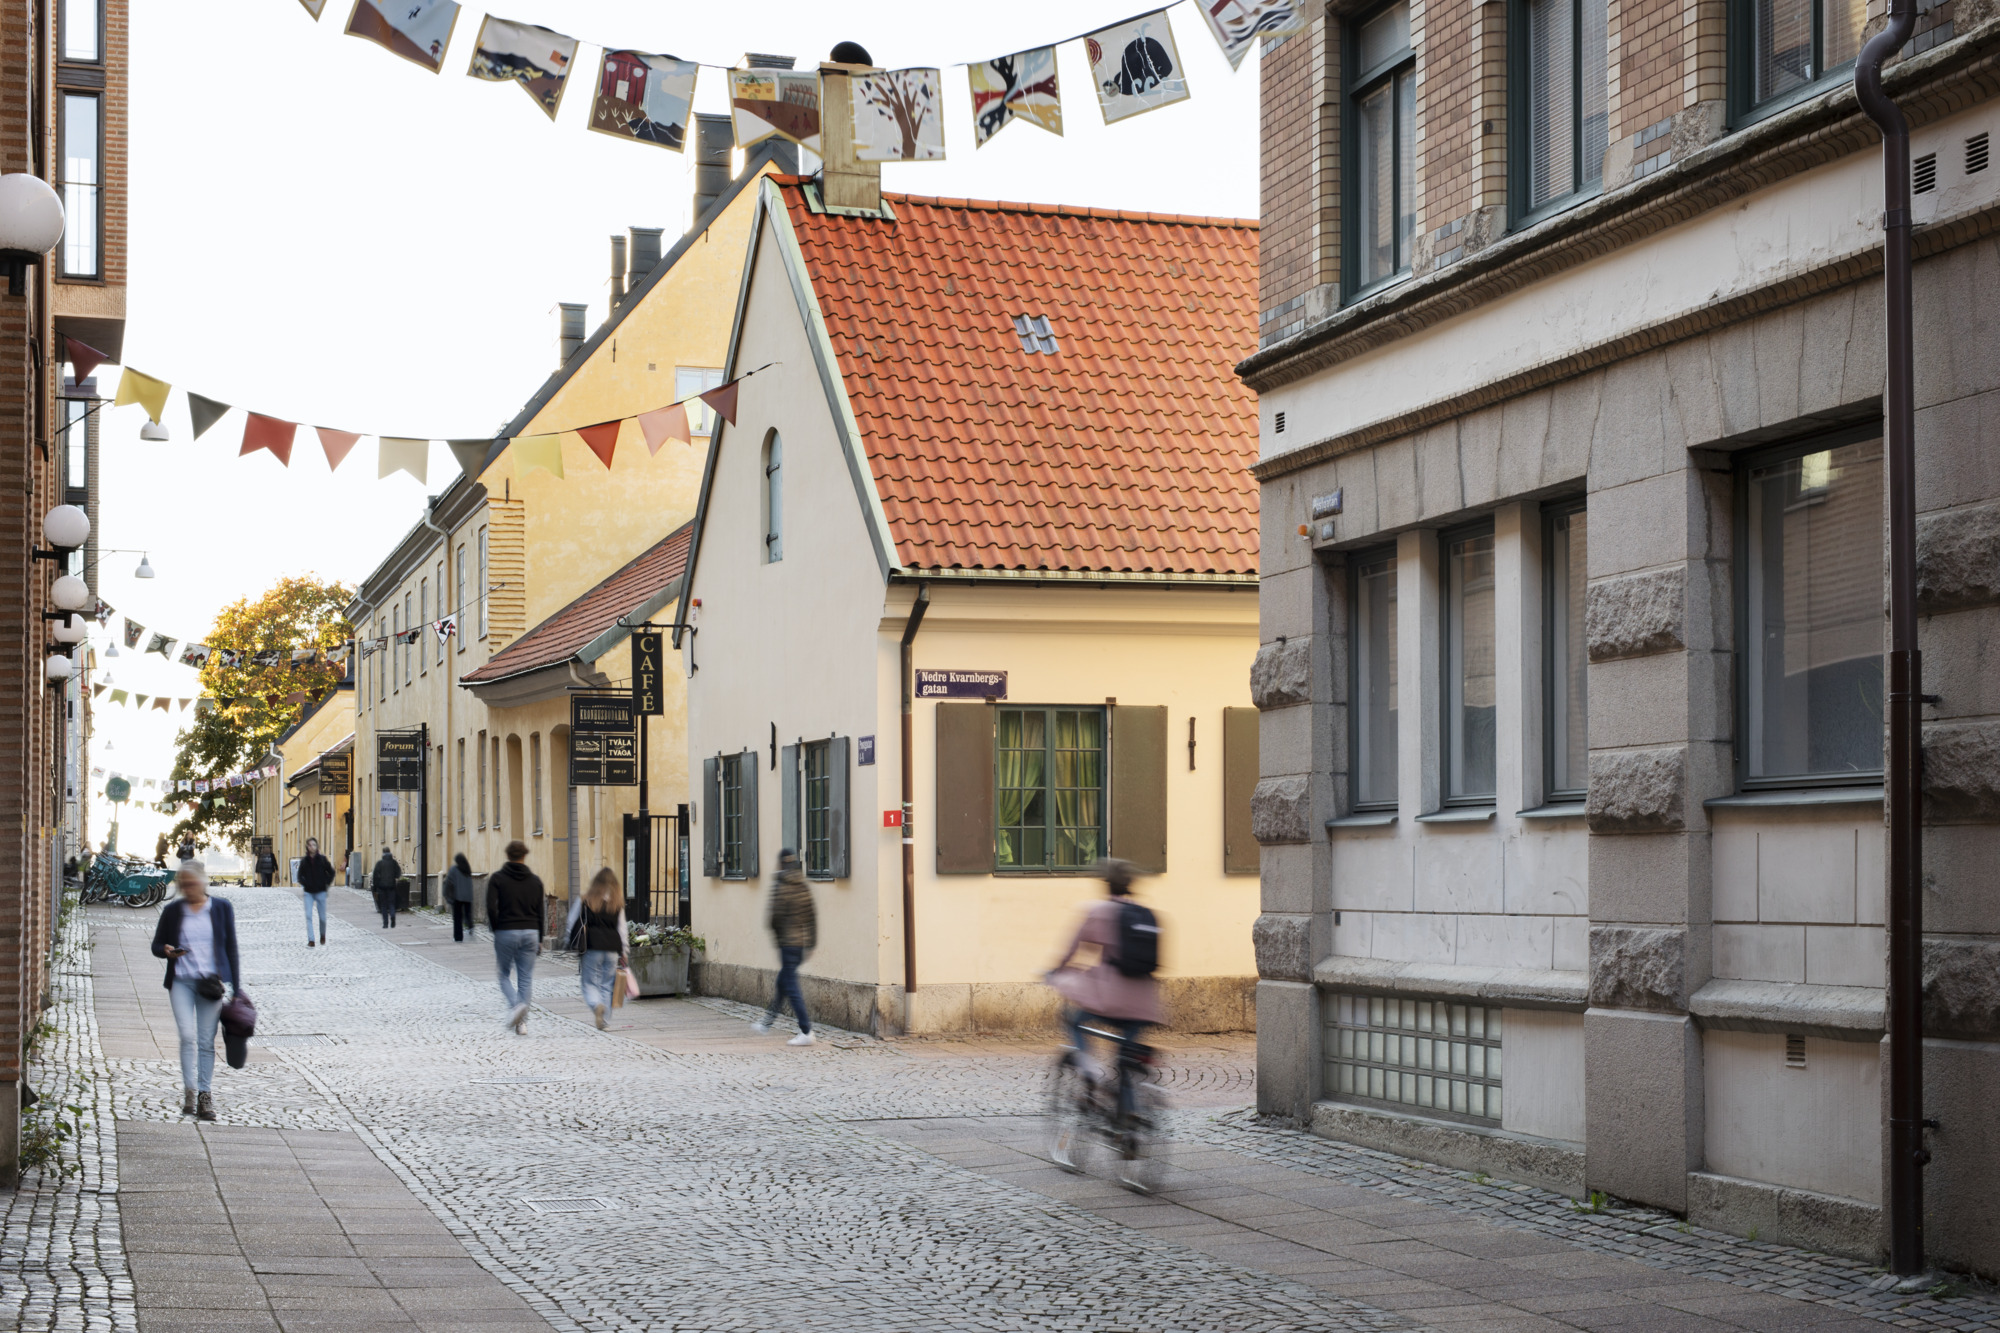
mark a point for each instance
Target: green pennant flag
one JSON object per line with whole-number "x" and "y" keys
{"x": 471, "y": 456}
{"x": 204, "y": 412}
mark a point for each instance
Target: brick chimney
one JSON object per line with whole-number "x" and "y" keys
{"x": 844, "y": 181}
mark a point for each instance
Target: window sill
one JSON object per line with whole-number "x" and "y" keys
{"x": 1376, "y": 288}
{"x": 1462, "y": 815}
{"x": 1796, "y": 796}
{"x": 1365, "y": 819}
{"x": 1564, "y": 810}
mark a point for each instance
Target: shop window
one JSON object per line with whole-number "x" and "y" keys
{"x": 1373, "y": 729}
{"x": 1565, "y": 673}
{"x": 1429, "y": 1055}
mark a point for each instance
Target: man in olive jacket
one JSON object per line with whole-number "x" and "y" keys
{"x": 795, "y": 926}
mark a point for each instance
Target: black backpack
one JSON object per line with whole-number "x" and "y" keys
{"x": 1138, "y": 941}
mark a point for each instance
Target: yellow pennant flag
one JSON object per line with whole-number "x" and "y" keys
{"x": 404, "y": 455}
{"x": 538, "y": 451}
{"x": 144, "y": 390}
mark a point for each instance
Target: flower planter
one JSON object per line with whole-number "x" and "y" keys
{"x": 661, "y": 971}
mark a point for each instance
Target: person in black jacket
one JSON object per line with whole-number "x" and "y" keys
{"x": 197, "y": 937}
{"x": 383, "y": 882}
{"x": 267, "y": 869}
{"x": 458, "y": 892}
{"x": 315, "y": 877}
{"x": 514, "y": 907}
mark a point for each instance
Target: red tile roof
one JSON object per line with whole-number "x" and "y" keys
{"x": 564, "y": 634}
{"x": 1128, "y": 450}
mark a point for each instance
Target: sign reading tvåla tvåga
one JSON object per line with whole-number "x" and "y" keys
{"x": 939, "y": 684}
{"x": 603, "y": 740}
{"x": 336, "y": 774}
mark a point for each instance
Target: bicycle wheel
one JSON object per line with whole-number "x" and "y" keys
{"x": 1069, "y": 1114}
{"x": 1142, "y": 1142}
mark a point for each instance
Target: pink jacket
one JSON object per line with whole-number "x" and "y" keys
{"x": 1100, "y": 989}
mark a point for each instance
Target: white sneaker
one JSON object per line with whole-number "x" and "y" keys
{"x": 761, "y": 1026}
{"x": 598, "y": 1010}
{"x": 803, "y": 1039}
{"x": 518, "y": 1019}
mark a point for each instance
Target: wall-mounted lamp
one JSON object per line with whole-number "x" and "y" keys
{"x": 70, "y": 593}
{"x": 58, "y": 668}
{"x": 145, "y": 569}
{"x": 31, "y": 225}
{"x": 64, "y": 528}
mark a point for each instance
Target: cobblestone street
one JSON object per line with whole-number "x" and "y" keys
{"x": 394, "y": 1159}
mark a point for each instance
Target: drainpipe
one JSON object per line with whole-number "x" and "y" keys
{"x": 1903, "y": 790}
{"x": 917, "y": 609}
{"x": 445, "y": 774}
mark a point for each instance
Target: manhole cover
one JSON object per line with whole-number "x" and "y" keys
{"x": 524, "y": 1078}
{"x": 571, "y": 1205}
{"x": 300, "y": 1039}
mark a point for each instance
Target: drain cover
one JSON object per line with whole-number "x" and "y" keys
{"x": 524, "y": 1078}
{"x": 300, "y": 1039}
{"x": 571, "y": 1205}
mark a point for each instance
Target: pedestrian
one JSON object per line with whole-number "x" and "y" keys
{"x": 315, "y": 877}
{"x": 514, "y": 913}
{"x": 458, "y": 891}
{"x": 160, "y": 852}
{"x": 197, "y": 937}
{"x": 601, "y": 924}
{"x": 267, "y": 868}
{"x": 185, "y": 851}
{"x": 383, "y": 882}
{"x": 795, "y": 926}
{"x": 1118, "y": 987}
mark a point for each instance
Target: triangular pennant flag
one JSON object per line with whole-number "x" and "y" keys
{"x": 204, "y": 412}
{"x": 723, "y": 399}
{"x": 96, "y": 691}
{"x": 184, "y": 704}
{"x": 119, "y": 696}
{"x": 104, "y": 609}
{"x": 336, "y": 443}
{"x": 471, "y": 456}
{"x": 133, "y": 629}
{"x": 161, "y": 703}
{"x": 262, "y": 432}
{"x": 313, "y": 7}
{"x": 144, "y": 390}
{"x": 663, "y": 424}
{"x": 161, "y": 644}
{"x": 538, "y": 451}
{"x": 140, "y": 700}
{"x": 83, "y": 358}
{"x": 404, "y": 455}
{"x": 602, "y": 439}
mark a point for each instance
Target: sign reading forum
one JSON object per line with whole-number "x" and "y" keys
{"x": 933, "y": 684}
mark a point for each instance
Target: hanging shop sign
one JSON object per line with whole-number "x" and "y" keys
{"x": 956, "y": 684}
{"x": 399, "y": 761}
{"x": 603, "y": 741}
{"x": 648, "y": 652}
{"x": 336, "y": 774}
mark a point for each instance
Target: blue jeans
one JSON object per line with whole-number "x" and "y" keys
{"x": 1128, "y": 1037}
{"x": 514, "y": 952}
{"x": 315, "y": 902}
{"x": 196, "y": 1018}
{"x": 597, "y": 973}
{"x": 789, "y": 958}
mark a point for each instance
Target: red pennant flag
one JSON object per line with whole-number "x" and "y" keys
{"x": 336, "y": 443}
{"x": 83, "y": 358}
{"x": 262, "y": 432}
{"x": 602, "y": 439}
{"x": 723, "y": 399}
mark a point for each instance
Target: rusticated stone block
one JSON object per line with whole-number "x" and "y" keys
{"x": 1638, "y": 967}
{"x": 1636, "y": 615}
{"x": 1281, "y": 810}
{"x": 1282, "y": 674}
{"x": 1638, "y": 791}
{"x": 1962, "y": 987}
{"x": 1962, "y": 773}
{"x": 1958, "y": 559}
{"x": 1284, "y": 946}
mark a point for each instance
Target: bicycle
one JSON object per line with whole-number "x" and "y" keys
{"x": 1083, "y": 1110}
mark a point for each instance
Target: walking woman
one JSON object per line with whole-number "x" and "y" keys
{"x": 794, "y": 925}
{"x": 383, "y": 883}
{"x": 602, "y": 923}
{"x": 458, "y": 892}
{"x": 315, "y": 877}
{"x": 197, "y": 937}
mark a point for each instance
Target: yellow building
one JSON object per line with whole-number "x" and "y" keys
{"x": 525, "y": 562}
{"x": 317, "y": 805}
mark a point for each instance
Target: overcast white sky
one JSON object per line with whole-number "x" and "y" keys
{"x": 329, "y": 234}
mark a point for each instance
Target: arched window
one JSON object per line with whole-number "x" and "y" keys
{"x": 774, "y": 499}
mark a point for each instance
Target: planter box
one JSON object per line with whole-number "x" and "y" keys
{"x": 661, "y": 971}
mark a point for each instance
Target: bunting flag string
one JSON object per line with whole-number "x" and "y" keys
{"x": 172, "y": 785}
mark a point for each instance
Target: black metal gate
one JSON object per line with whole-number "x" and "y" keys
{"x": 656, "y": 869}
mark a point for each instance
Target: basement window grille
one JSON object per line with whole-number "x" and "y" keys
{"x": 1925, "y": 174}
{"x": 1795, "y": 1051}
{"x": 1975, "y": 153}
{"x": 1432, "y": 1056}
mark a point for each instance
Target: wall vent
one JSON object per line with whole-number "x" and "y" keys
{"x": 1924, "y": 174}
{"x": 1281, "y": 423}
{"x": 1795, "y": 1051}
{"x": 1975, "y": 153}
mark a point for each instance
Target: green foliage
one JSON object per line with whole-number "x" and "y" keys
{"x": 49, "y": 1133}
{"x": 646, "y": 935}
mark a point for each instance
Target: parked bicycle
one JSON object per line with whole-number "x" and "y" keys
{"x": 127, "y": 879}
{"x": 1084, "y": 1102}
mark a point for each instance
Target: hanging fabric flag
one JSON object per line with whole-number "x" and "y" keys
{"x": 722, "y": 398}
{"x": 139, "y": 700}
{"x": 161, "y": 644}
{"x": 83, "y": 358}
{"x": 534, "y": 57}
{"x": 97, "y": 772}
{"x": 270, "y": 770}
{"x": 602, "y": 439}
{"x": 161, "y": 703}
{"x": 445, "y": 628}
{"x": 119, "y": 696}
{"x": 663, "y": 424}
{"x": 417, "y": 30}
{"x": 229, "y": 657}
{"x": 336, "y": 443}
{"x": 784, "y": 102}
{"x": 1136, "y": 66}
{"x": 144, "y": 390}
{"x": 97, "y": 690}
{"x": 1016, "y": 87}
{"x": 313, "y": 7}
{"x": 194, "y": 654}
{"x": 1237, "y": 23}
{"x": 302, "y": 656}
{"x": 538, "y": 451}
{"x": 203, "y": 705}
{"x": 201, "y": 784}
{"x": 103, "y": 612}
{"x": 267, "y": 658}
{"x": 403, "y": 455}
{"x": 897, "y": 117}
{"x": 184, "y": 703}
{"x": 338, "y": 656}
{"x": 471, "y": 456}
{"x": 644, "y": 97}
{"x": 262, "y": 432}
{"x": 204, "y": 412}
{"x": 132, "y": 632}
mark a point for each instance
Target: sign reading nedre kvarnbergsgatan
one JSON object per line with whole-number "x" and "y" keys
{"x": 961, "y": 684}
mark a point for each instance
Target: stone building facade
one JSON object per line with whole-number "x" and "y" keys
{"x": 1570, "y": 377}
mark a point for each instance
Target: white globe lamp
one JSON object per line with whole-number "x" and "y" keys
{"x": 58, "y": 668}
{"x": 66, "y": 527}
{"x": 70, "y": 630}
{"x": 70, "y": 593}
{"x": 31, "y": 225}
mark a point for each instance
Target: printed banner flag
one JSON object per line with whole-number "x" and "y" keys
{"x": 301, "y": 656}
{"x": 534, "y": 57}
{"x": 184, "y": 703}
{"x": 644, "y": 97}
{"x": 602, "y": 439}
{"x": 1016, "y": 87}
{"x": 161, "y": 644}
{"x": 104, "y": 610}
{"x": 1136, "y": 66}
{"x": 897, "y": 117}
{"x": 445, "y": 628}
{"x": 194, "y": 654}
{"x": 1237, "y": 23}
{"x": 144, "y": 390}
{"x": 538, "y": 451}
{"x": 97, "y": 772}
{"x": 663, "y": 424}
{"x": 229, "y": 657}
{"x": 83, "y": 358}
{"x": 416, "y": 30}
{"x": 201, "y": 784}
{"x": 204, "y": 412}
{"x": 262, "y": 432}
{"x": 132, "y": 632}
{"x": 267, "y": 658}
{"x": 403, "y": 455}
{"x": 781, "y": 102}
{"x": 270, "y": 770}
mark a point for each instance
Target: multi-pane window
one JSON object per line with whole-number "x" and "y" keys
{"x": 482, "y": 781}
{"x": 458, "y": 601}
{"x": 774, "y": 499}
{"x": 441, "y": 611}
{"x": 461, "y": 784}
{"x": 82, "y": 149}
{"x": 1792, "y": 44}
{"x": 1568, "y": 700}
{"x": 1049, "y": 784}
{"x": 1469, "y": 660}
{"x": 1374, "y": 649}
{"x": 82, "y": 38}
{"x": 408, "y": 647}
{"x": 818, "y": 849}
{"x": 692, "y": 380}
{"x": 1440, "y": 1057}
{"x": 484, "y": 586}
{"x": 1812, "y": 614}
{"x": 1562, "y": 97}
{"x": 422, "y": 621}
{"x": 732, "y": 777}
{"x": 535, "y": 776}
{"x": 76, "y": 443}
{"x": 382, "y": 660}
{"x": 1384, "y": 99}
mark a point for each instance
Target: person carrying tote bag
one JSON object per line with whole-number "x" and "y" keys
{"x": 197, "y": 937}
{"x": 600, "y": 930}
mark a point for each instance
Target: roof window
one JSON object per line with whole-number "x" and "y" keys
{"x": 1033, "y": 330}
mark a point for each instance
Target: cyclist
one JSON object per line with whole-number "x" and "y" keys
{"x": 1102, "y": 992}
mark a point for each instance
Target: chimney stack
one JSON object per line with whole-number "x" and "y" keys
{"x": 714, "y": 137}
{"x": 569, "y": 331}
{"x": 643, "y": 254}
{"x": 617, "y": 270}
{"x": 844, "y": 180}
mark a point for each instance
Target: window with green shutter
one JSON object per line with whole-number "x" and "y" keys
{"x": 1049, "y": 788}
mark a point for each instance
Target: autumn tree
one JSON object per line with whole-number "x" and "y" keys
{"x": 256, "y": 701}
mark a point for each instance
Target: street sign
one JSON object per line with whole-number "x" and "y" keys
{"x": 336, "y": 774}
{"x": 603, "y": 740}
{"x": 399, "y": 761}
{"x": 934, "y": 684}
{"x": 118, "y": 789}
{"x": 648, "y": 652}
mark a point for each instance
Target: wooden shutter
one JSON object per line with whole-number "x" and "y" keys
{"x": 788, "y": 800}
{"x": 1239, "y": 780}
{"x": 751, "y": 842}
{"x": 964, "y": 789}
{"x": 1139, "y": 787}
{"x": 836, "y": 800}
{"x": 710, "y": 818}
